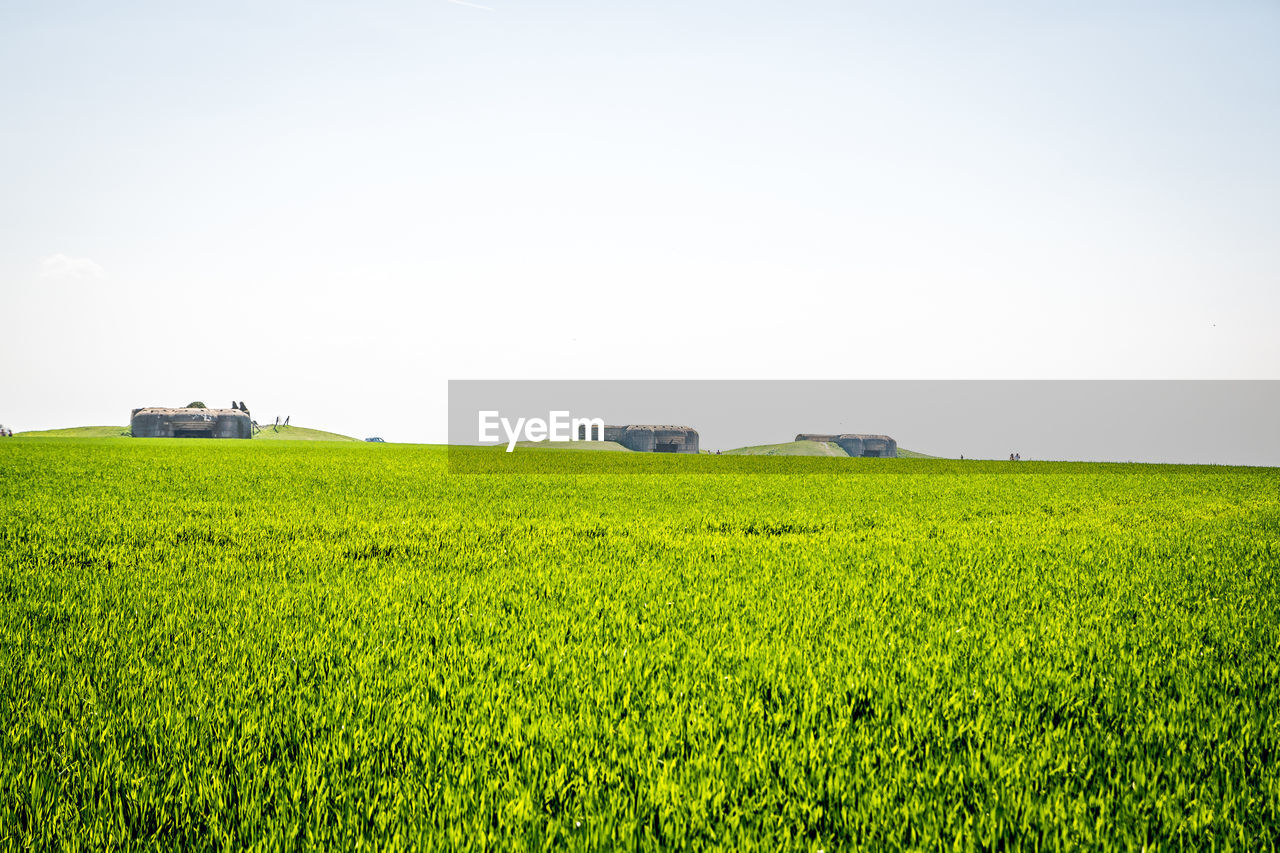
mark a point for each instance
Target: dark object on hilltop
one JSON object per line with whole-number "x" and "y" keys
{"x": 857, "y": 444}
{"x": 190, "y": 422}
{"x": 375, "y": 439}
{"x": 648, "y": 438}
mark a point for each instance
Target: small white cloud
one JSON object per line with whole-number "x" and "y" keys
{"x": 61, "y": 266}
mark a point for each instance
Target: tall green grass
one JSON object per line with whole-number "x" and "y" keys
{"x": 220, "y": 645}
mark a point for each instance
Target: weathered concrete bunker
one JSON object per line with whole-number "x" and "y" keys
{"x": 154, "y": 422}
{"x": 649, "y": 438}
{"x": 857, "y": 444}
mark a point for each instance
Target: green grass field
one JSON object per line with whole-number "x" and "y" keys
{"x": 310, "y": 645}
{"x": 611, "y": 446}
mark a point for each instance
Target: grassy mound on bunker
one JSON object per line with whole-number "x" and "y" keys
{"x": 78, "y": 432}
{"x": 297, "y": 433}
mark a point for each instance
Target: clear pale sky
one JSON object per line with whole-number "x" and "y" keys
{"x": 329, "y": 209}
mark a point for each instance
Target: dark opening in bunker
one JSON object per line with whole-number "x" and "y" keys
{"x": 207, "y": 432}
{"x": 667, "y": 448}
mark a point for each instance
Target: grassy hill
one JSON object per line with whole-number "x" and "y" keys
{"x": 297, "y": 433}
{"x": 810, "y": 448}
{"x": 791, "y": 448}
{"x": 911, "y": 454}
{"x": 284, "y": 433}
{"x": 77, "y": 432}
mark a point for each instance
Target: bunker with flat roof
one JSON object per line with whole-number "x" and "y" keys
{"x": 156, "y": 422}
{"x": 856, "y": 444}
{"x": 648, "y": 438}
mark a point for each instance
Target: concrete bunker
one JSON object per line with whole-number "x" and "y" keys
{"x": 156, "y": 422}
{"x": 857, "y": 444}
{"x": 648, "y": 438}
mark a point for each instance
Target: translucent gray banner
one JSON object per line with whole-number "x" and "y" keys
{"x": 1190, "y": 422}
